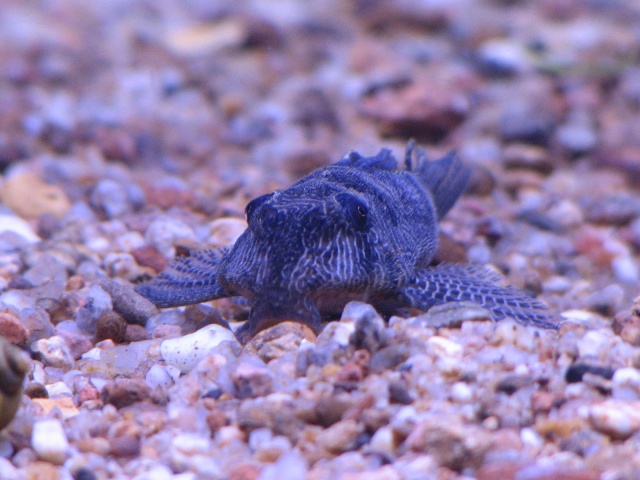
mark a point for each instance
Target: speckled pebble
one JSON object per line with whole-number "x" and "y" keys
{"x": 185, "y": 352}
{"x": 251, "y": 378}
{"x": 124, "y": 392}
{"x": 54, "y": 352}
{"x": 133, "y": 307}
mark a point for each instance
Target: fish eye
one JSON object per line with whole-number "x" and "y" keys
{"x": 253, "y": 205}
{"x": 355, "y": 210}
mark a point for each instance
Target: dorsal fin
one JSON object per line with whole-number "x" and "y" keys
{"x": 384, "y": 160}
{"x": 446, "y": 178}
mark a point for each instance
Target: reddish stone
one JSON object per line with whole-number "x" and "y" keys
{"x": 149, "y": 256}
{"x": 125, "y": 392}
{"x": 12, "y": 329}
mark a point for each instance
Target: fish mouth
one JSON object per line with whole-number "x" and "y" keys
{"x": 277, "y": 307}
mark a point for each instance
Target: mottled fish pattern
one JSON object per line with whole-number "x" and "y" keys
{"x": 360, "y": 229}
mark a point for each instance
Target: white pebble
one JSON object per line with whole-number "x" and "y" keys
{"x": 290, "y": 466}
{"x": 625, "y": 269}
{"x": 49, "y": 441}
{"x": 129, "y": 241}
{"x": 339, "y": 332}
{"x": 626, "y": 384}
{"x": 12, "y": 223}
{"x": 595, "y": 342}
{"x": 228, "y": 434}
{"x": 8, "y": 471}
{"x": 557, "y": 284}
{"x": 617, "y": 418}
{"x": 529, "y": 437}
{"x": 157, "y": 472}
{"x": 443, "y": 347}
{"x": 58, "y": 389}
{"x": 161, "y": 376}
{"x": 383, "y": 441}
{"x": 461, "y": 392}
{"x": 191, "y": 443}
{"x": 93, "y": 354}
{"x": 185, "y": 352}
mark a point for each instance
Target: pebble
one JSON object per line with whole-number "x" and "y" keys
{"x": 595, "y": 343}
{"x": 526, "y": 122}
{"x": 124, "y": 392}
{"x": 116, "y": 199}
{"x": 123, "y": 265}
{"x": 444, "y": 348}
{"x": 97, "y": 302}
{"x": 531, "y": 157}
{"x": 251, "y": 378}
{"x": 164, "y": 233}
{"x": 388, "y": 357}
{"x": 12, "y": 329}
{"x": 58, "y": 389}
{"x": 8, "y": 471}
{"x": 500, "y": 57}
{"x": 133, "y": 307}
{"x": 207, "y": 38}
{"x": 274, "y": 342}
{"x": 291, "y": 465}
{"x": 29, "y": 197}
{"x": 54, "y": 352}
{"x": 49, "y": 441}
{"x": 185, "y": 352}
{"x": 225, "y": 231}
{"x": 124, "y": 359}
{"x": 18, "y": 226}
{"x": 617, "y": 418}
{"x": 338, "y": 332}
{"x": 450, "y": 444}
{"x": 162, "y": 376}
{"x": 370, "y": 328}
{"x": 578, "y": 135}
{"x": 606, "y": 301}
{"x": 340, "y": 437}
{"x": 426, "y": 109}
{"x": 461, "y": 392}
{"x": 111, "y": 325}
{"x": 626, "y": 384}
{"x": 625, "y": 269}
{"x": 452, "y": 315}
{"x": 149, "y": 256}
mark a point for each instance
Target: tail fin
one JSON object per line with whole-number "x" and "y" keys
{"x": 446, "y": 178}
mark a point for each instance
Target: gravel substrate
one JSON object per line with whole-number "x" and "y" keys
{"x": 131, "y": 130}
